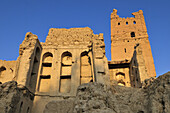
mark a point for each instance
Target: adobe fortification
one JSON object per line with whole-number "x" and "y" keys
{"x": 48, "y": 74}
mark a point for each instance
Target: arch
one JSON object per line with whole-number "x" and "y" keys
{"x": 85, "y": 68}
{"x": 2, "y": 70}
{"x": 120, "y": 75}
{"x": 132, "y": 34}
{"x": 47, "y": 57}
{"x": 35, "y": 67}
{"x": 65, "y": 76}
{"x": 45, "y": 73}
{"x": 66, "y": 58}
{"x": 121, "y": 83}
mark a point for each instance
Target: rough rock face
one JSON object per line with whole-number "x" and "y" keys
{"x": 61, "y": 106}
{"x": 97, "y": 98}
{"x": 9, "y": 97}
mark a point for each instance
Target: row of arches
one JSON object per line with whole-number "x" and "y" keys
{"x": 65, "y": 71}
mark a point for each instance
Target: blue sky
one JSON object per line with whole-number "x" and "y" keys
{"x": 37, "y": 16}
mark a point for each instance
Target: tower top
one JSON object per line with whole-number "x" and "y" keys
{"x": 128, "y": 27}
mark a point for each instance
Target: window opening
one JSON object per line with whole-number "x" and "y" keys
{"x": 121, "y": 83}
{"x": 119, "y": 23}
{"x": 134, "y": 22}
{"x": 120, "y": 76}
{"x": 2, "y": 71}
{"x": 132, "y": 34}
{"x": 85, "y": 68}
{"x": 28, "y": 109}
{"x": 45, "y": 74}
{"x": 125, "y": 50}
{"x": 65, "y": 76}
{"x": 126, "y": 23}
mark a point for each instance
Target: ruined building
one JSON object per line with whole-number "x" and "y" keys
{"x": 132, "y": 60}
{"x": 53, "y": 70}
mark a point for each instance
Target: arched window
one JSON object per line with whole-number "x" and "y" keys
{"x": 134, "y": 22}
{"x": 121, "y": 83}
{"x": 85, "y": 69}
{"x": 45, "y": 74}
{"x": 132, "y": 34}
{"x": 35, "y": 68}
{"x": 120, "y": 76}
{"x": 65, "y": 76}
{"x": 2, "y": 71}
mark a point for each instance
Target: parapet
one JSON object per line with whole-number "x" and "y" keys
{"x": 128, "y": 27}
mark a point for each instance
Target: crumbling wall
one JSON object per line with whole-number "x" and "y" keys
{"x": 28, "y": 61}
{"x": 138, "y": 70}
{"x": 7, "y": 70}
{"x": 100, "y": 61}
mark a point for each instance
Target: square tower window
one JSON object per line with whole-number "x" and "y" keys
{"x": 132, "y": 34}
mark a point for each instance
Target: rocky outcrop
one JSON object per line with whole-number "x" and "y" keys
{"x": 9, "y": 97}
{"x": 60, "y": 106}
{"x": 98, "y": 98}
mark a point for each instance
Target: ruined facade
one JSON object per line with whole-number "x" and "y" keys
{"x": 53, "y": 70}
